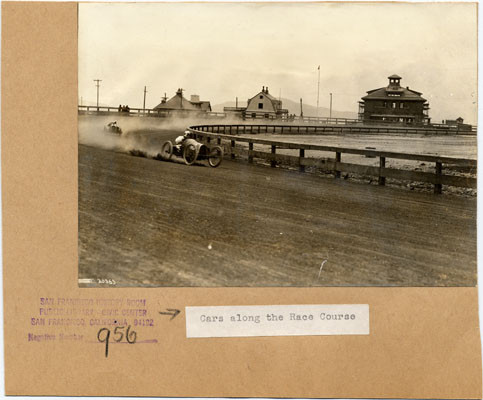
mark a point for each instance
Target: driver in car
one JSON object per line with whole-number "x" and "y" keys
{"x": 178, "y": 142}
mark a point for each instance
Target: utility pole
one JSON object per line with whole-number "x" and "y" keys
{"x": 144, "y": 101}
{"x": 97, "y": 85}
{"x": 318, "y": 91}
{"x": 301, "y": 110}
{"x": 330, "y": 109}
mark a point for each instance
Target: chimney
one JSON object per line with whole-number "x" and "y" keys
{"x": 195, "y": 98}
{"x": 263, "y": 89}
{"x": 266, "y": 90}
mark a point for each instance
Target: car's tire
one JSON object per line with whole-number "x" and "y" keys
{"x": 167, "y": 150}
{"x": 215, "y": 157}
{"x": 190, "y": 154}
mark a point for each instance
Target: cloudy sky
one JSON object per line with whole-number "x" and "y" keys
{"x": 221, "y": 51}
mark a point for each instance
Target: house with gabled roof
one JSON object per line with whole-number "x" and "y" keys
{"x": 262, "y": 105}
{"x": 394, "y": 104}
{"x": 179, "y": 103}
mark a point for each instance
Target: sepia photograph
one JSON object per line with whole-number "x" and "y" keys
{"x": 277, "y": 144}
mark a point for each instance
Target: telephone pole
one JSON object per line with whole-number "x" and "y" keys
{"x": 318, "y": 91}
{"x": 330, "y": 109}
{"x": 97, "y": 85}
{"x": 144, "y": 101}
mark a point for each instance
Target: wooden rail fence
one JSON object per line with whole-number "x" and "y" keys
{"x": 144, "y": 112}
{"x": 342, "y": 124}
{"x": 336, "y": 165}
{"x": 237, "y": 129}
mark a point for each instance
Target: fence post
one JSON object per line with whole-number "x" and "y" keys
{"x": 250, "y": 155}
{"x": 232, "y": 149}
{"x": 438, "y": 187}
{"x": 273, "y": 163}
{"x": 301, "y": 156}
{"x": 337, "y": 160}
{"x": 382, "y": 164}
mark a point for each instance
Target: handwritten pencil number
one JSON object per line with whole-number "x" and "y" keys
{"x": 106, "y": 338}
{"x": 116, "y": 332}
{"x": 104, "y": 335}
{"x": 131, "y": 335}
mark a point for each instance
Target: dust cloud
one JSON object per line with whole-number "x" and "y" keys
{"x": 139, "y": 134}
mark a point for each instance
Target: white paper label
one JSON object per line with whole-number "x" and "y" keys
{"x": 277, "y": 320}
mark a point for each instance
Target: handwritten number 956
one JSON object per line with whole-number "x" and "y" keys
{"x": 104, "y": 335}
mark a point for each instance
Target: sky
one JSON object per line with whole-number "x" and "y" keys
{"x": 221, "y": 51}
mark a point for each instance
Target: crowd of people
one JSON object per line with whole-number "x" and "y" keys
{"x": 123, "y": 108}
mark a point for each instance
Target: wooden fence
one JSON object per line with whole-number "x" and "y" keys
{"x": 336, "y": 165}
{"x": 237, "y": 129}
{"x": 146, "y": 112}
{"x": 304, "y": 123}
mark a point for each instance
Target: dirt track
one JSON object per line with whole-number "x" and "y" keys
{"x": 152, "y": 223}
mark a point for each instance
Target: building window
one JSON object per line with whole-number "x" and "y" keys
{"x": 261, "y": 96}
{"x": 260, "y": 106}
{"x": 393, "y": 105}
{"x": 401, "y": 105}
{"x": 267, "y": 116}
{"x": 254, "y": 115}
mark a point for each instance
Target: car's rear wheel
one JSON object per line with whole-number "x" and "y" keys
{"x": 215, "y": 157}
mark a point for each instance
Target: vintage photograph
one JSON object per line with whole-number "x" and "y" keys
{"x": 277, "y": 144}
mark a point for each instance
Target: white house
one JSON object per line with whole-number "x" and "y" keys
{"x": 262, "y": 105}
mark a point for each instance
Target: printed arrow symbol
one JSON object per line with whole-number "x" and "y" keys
{"x": 172, "y": 311}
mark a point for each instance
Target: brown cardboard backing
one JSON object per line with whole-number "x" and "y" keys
{"x": 424, "y": 342}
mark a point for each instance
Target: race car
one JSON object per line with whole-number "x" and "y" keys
{"x": 191, "y": 150}
{"x": 112, "y": 127}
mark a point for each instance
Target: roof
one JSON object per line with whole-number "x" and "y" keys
{"x": 177, "y": 102}
{"x": 384, "y": 94}
{"x": 203, "y": 105}
{"x": 274, "y": 100}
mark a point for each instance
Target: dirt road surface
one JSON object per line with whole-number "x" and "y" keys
{"x": 144, "y": 222}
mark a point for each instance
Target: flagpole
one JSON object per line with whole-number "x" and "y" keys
{"x": 318, "y": 91}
